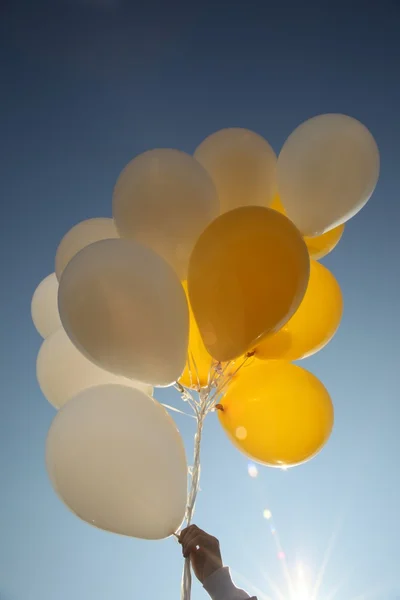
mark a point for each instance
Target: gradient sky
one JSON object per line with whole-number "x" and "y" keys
{"x": 85, "y": 86}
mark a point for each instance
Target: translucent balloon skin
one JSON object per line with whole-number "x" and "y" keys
{"x": 116, "y": 459}
{"x": 242, "y": 165}
{"x": 328, "y": 169}
{"x": 44, "y": 308}
{"x": 81, "y": 235}
{"x": 63, "y": 372}
{"x": 277, "y": 414}
{"x": 247, "y": 276}
{"x": 320, "y": 245}
{"x": 313, "y": 325}
{"x": 125, "y": 309}
{"x": 164, "y": 199}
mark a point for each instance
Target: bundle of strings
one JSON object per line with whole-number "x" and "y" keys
{"x": 201, "y": 406}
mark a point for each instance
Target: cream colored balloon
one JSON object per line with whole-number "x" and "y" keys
{"x": 44, "y": 308}
{"x": 164, "y": 199}
{"x": 80, "y": 236}
{"x": 125, "y": 309}
{"x": 116, "y": 459}
{"x": 242, "y": 165}
{"x": 62, "y": 371}
{"x": 327, "y": 170}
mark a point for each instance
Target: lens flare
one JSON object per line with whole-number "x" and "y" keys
{"x": 252, "y": 470}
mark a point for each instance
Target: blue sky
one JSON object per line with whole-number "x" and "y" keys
{"x": 88, "y": 84}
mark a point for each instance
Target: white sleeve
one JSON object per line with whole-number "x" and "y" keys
{"x": 221, "y": 587}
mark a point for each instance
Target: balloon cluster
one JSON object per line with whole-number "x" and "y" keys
{"x": 206, "y": 278}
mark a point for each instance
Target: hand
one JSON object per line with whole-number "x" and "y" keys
{"x": 203, "y": 550}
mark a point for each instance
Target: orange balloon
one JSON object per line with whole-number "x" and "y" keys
{"x": 277, "y": 413}
{"x": 318, "y": 246}
{"x": 248, "y": 274}
{"x": 313, "y": 325}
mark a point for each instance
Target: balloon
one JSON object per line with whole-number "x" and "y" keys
{"x": 125, "y": 309}
{"x": 44, "y": 309}
{"x": 116, "y": 459}
{"x": 62, "y": 371}
{"x": 199, "y": 363}
{"x": 200, "y": 367}
{"x": 277, "y": 413}
{"x": 80, "y": 236}
{"x": 327, "y": 171}
{"x": 320, "y": 245}
{"x": 247, "y": 276}
{"x": 164, "y": 199}
{"x": 313, "y": 325}
{"x": 242, "y": 165}
{"x": 277, "y": 205}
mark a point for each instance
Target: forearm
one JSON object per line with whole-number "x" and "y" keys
{"x": 221, "y": 587}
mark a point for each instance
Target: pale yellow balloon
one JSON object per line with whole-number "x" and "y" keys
{"x": 44, "y": 309}
{"x": 80, "y": 236}
{"x": 242, "y": 165}
{"x": 116, "y": 459}
{"x": 63, "y": 372}
{"x": 164, "y": 199}
{"x": 327, "y": 171}
{"x": 125, "y": 309}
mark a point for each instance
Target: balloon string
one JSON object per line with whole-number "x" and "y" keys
{"x": 181, "y": 412}
{"x": 193, "y": 491}
{"x": 207, "y": 401}
{"x": 225, "y": 381}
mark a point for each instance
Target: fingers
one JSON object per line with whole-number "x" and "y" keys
{"x": 188, "y": 533}
{"x": 196, "y": 544}
{"x": 194, "y": 539}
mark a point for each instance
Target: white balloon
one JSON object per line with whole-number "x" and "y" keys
{"x": 327, "y": 171}
{"x": 242, "y": 165}
{"x": 164, "y": 199}
{"x": 62, "y": 371}
{"x": 80, "y": 236}
{"x": 44, "y": 308}
{"x": 126, "y": 310}
{"x": 116, "y": 459}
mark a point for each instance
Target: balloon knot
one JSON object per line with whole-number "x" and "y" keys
{"x": 250, "y": 354}
{"x": 219, "y": 407}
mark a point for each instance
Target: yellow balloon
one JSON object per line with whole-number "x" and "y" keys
{"x": 313, "y": 325}
{"x": 277, "y": 205}
{"x": 200, "y": 367}
{"x": 320, "y": 245}
{"x": 199, "y": 362}
{"x": 248, "y": 274}
{"x": 277, "y": 413}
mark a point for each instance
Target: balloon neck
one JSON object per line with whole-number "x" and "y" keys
{"x": 219, "y": 407}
